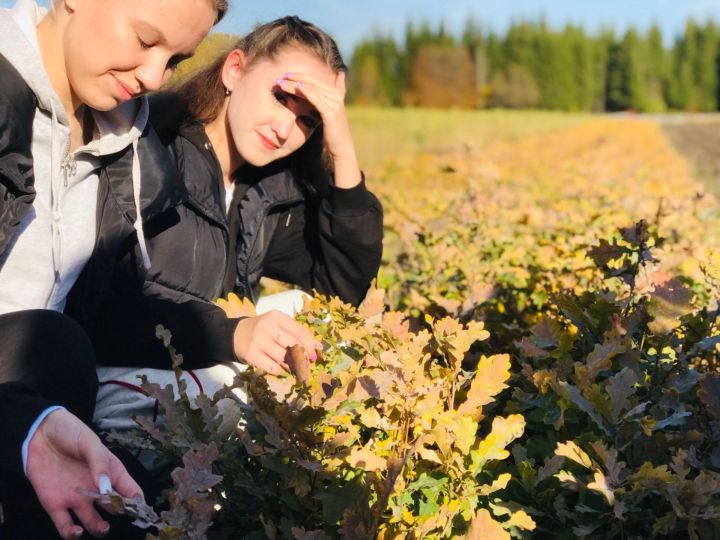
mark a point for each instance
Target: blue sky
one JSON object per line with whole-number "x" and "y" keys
{"x": 350, "y": 20}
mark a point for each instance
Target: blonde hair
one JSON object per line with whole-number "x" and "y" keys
{"x": 221, "y": 7}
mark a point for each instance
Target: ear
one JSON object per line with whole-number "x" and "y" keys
{"x": 233, "y": 68}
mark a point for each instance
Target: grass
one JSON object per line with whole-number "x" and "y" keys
{"x": 382, "y": 134}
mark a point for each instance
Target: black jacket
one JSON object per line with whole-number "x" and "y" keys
{"x": 17, "y": 191}
{"x": 19, "y": 406}
{"x": 327, "y": 240}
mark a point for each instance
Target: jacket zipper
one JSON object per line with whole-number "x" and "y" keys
{"x": 68, "y": 167}
{"x": 226, "y": 238}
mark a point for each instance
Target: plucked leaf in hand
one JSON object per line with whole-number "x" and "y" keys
{"x": 298, "y": 362}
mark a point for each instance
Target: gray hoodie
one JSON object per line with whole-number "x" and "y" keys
{"x": 56, "y": 237}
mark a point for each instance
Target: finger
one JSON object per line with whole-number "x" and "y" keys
{"x": 324, "y": 101}
{"x": 340, "y": 81}
{"x": 91, "y": 520}
{"x": 302, "y": 337}
{"x": 309, "y": 80}
{"x": 64, "y": 525}
{"x": 263, "y": 362}
{"x": 276, "y": 353}
{"x": 122, "y": 482}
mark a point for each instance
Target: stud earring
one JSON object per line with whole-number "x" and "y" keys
{"x": 227, "y": 92}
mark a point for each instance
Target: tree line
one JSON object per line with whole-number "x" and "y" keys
{"x": 532, "y": 65}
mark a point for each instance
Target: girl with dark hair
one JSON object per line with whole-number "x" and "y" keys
{"x": 268, "y": 185}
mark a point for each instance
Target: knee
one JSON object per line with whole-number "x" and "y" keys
{"x": 49, "y": 342}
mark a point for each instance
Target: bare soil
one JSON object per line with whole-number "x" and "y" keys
{"x": 698, "y": 139}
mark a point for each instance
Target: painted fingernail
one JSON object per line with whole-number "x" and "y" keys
{"x": 289, "y": 74}
{"x": 313, "y": 357}
{"x": 281, "y": 82}
{"x": 104, "y": 485}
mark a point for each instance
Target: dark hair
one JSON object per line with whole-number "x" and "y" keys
{"x": 202, "y": 95}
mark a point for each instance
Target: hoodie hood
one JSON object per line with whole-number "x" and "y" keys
{"x": 115, "y": 130}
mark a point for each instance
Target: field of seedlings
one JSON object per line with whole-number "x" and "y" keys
{"x": 539, "y": 358}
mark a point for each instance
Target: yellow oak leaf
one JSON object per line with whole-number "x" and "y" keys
{"x": 488, "y": 381}
{"x": 503, "y": 432}
{"x": 573, "y": 452}
{"x": 601, "y": 485}
{"x": 366, "y": 459}
{"x": 484, "y": 527}
{"x": 465, "y": 431}
{"x": 236, "y": 307}
{"x": 522, "y": 520}
{"x": 500, "y": 482}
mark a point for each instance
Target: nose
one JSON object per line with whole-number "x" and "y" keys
{"x": 283, "y": 123}
{"x": 153, "y": 73}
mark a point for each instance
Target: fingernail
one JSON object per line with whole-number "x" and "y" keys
{"x": 77, "y": 532}
{"x": 289, "y": 74}
{"x": 104, "y": 485}
{"x": 319, "y": 346}
{"x": 105, "y": 529}
{"x": 280, "y": 82}
{"x": 313, "y": 357}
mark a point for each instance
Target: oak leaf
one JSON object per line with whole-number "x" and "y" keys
{"x": 488, "y": 381}
{"x": 484, "y": 527}
{"x": 668, "y": 303}
{"x": 366, "y": 459}
{"x": 573, "y": 452}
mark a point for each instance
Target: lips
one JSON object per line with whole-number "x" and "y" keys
{"x": 267, "y": 143}
{"x": 124, "y": 92}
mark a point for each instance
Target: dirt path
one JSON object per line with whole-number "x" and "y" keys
{"x": 698, "y": 139}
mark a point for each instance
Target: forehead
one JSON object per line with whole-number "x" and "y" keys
{"x": 181, "y": 24}
{"x": 295, "y": 60}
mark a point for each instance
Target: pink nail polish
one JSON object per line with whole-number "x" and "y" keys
{"x": 289, "y": 74}
{"x": 313, "y": 357}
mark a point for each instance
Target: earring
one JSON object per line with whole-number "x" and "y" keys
{"x": 227, "y": 92}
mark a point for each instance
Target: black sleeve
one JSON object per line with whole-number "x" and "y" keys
{"x": 17, "y": 192}
{"x": 19, "y": 407}
{"x": 334, "y": 248}
{"x": 124, "y": 333}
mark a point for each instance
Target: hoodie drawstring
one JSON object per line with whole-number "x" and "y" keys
{"x": 136, "y": 196}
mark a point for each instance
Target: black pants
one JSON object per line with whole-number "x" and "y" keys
{"x": 52, "y": 355}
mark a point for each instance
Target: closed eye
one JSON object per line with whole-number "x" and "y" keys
{"x": 143, "y": 45}
{"x": 280, "y": 96}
